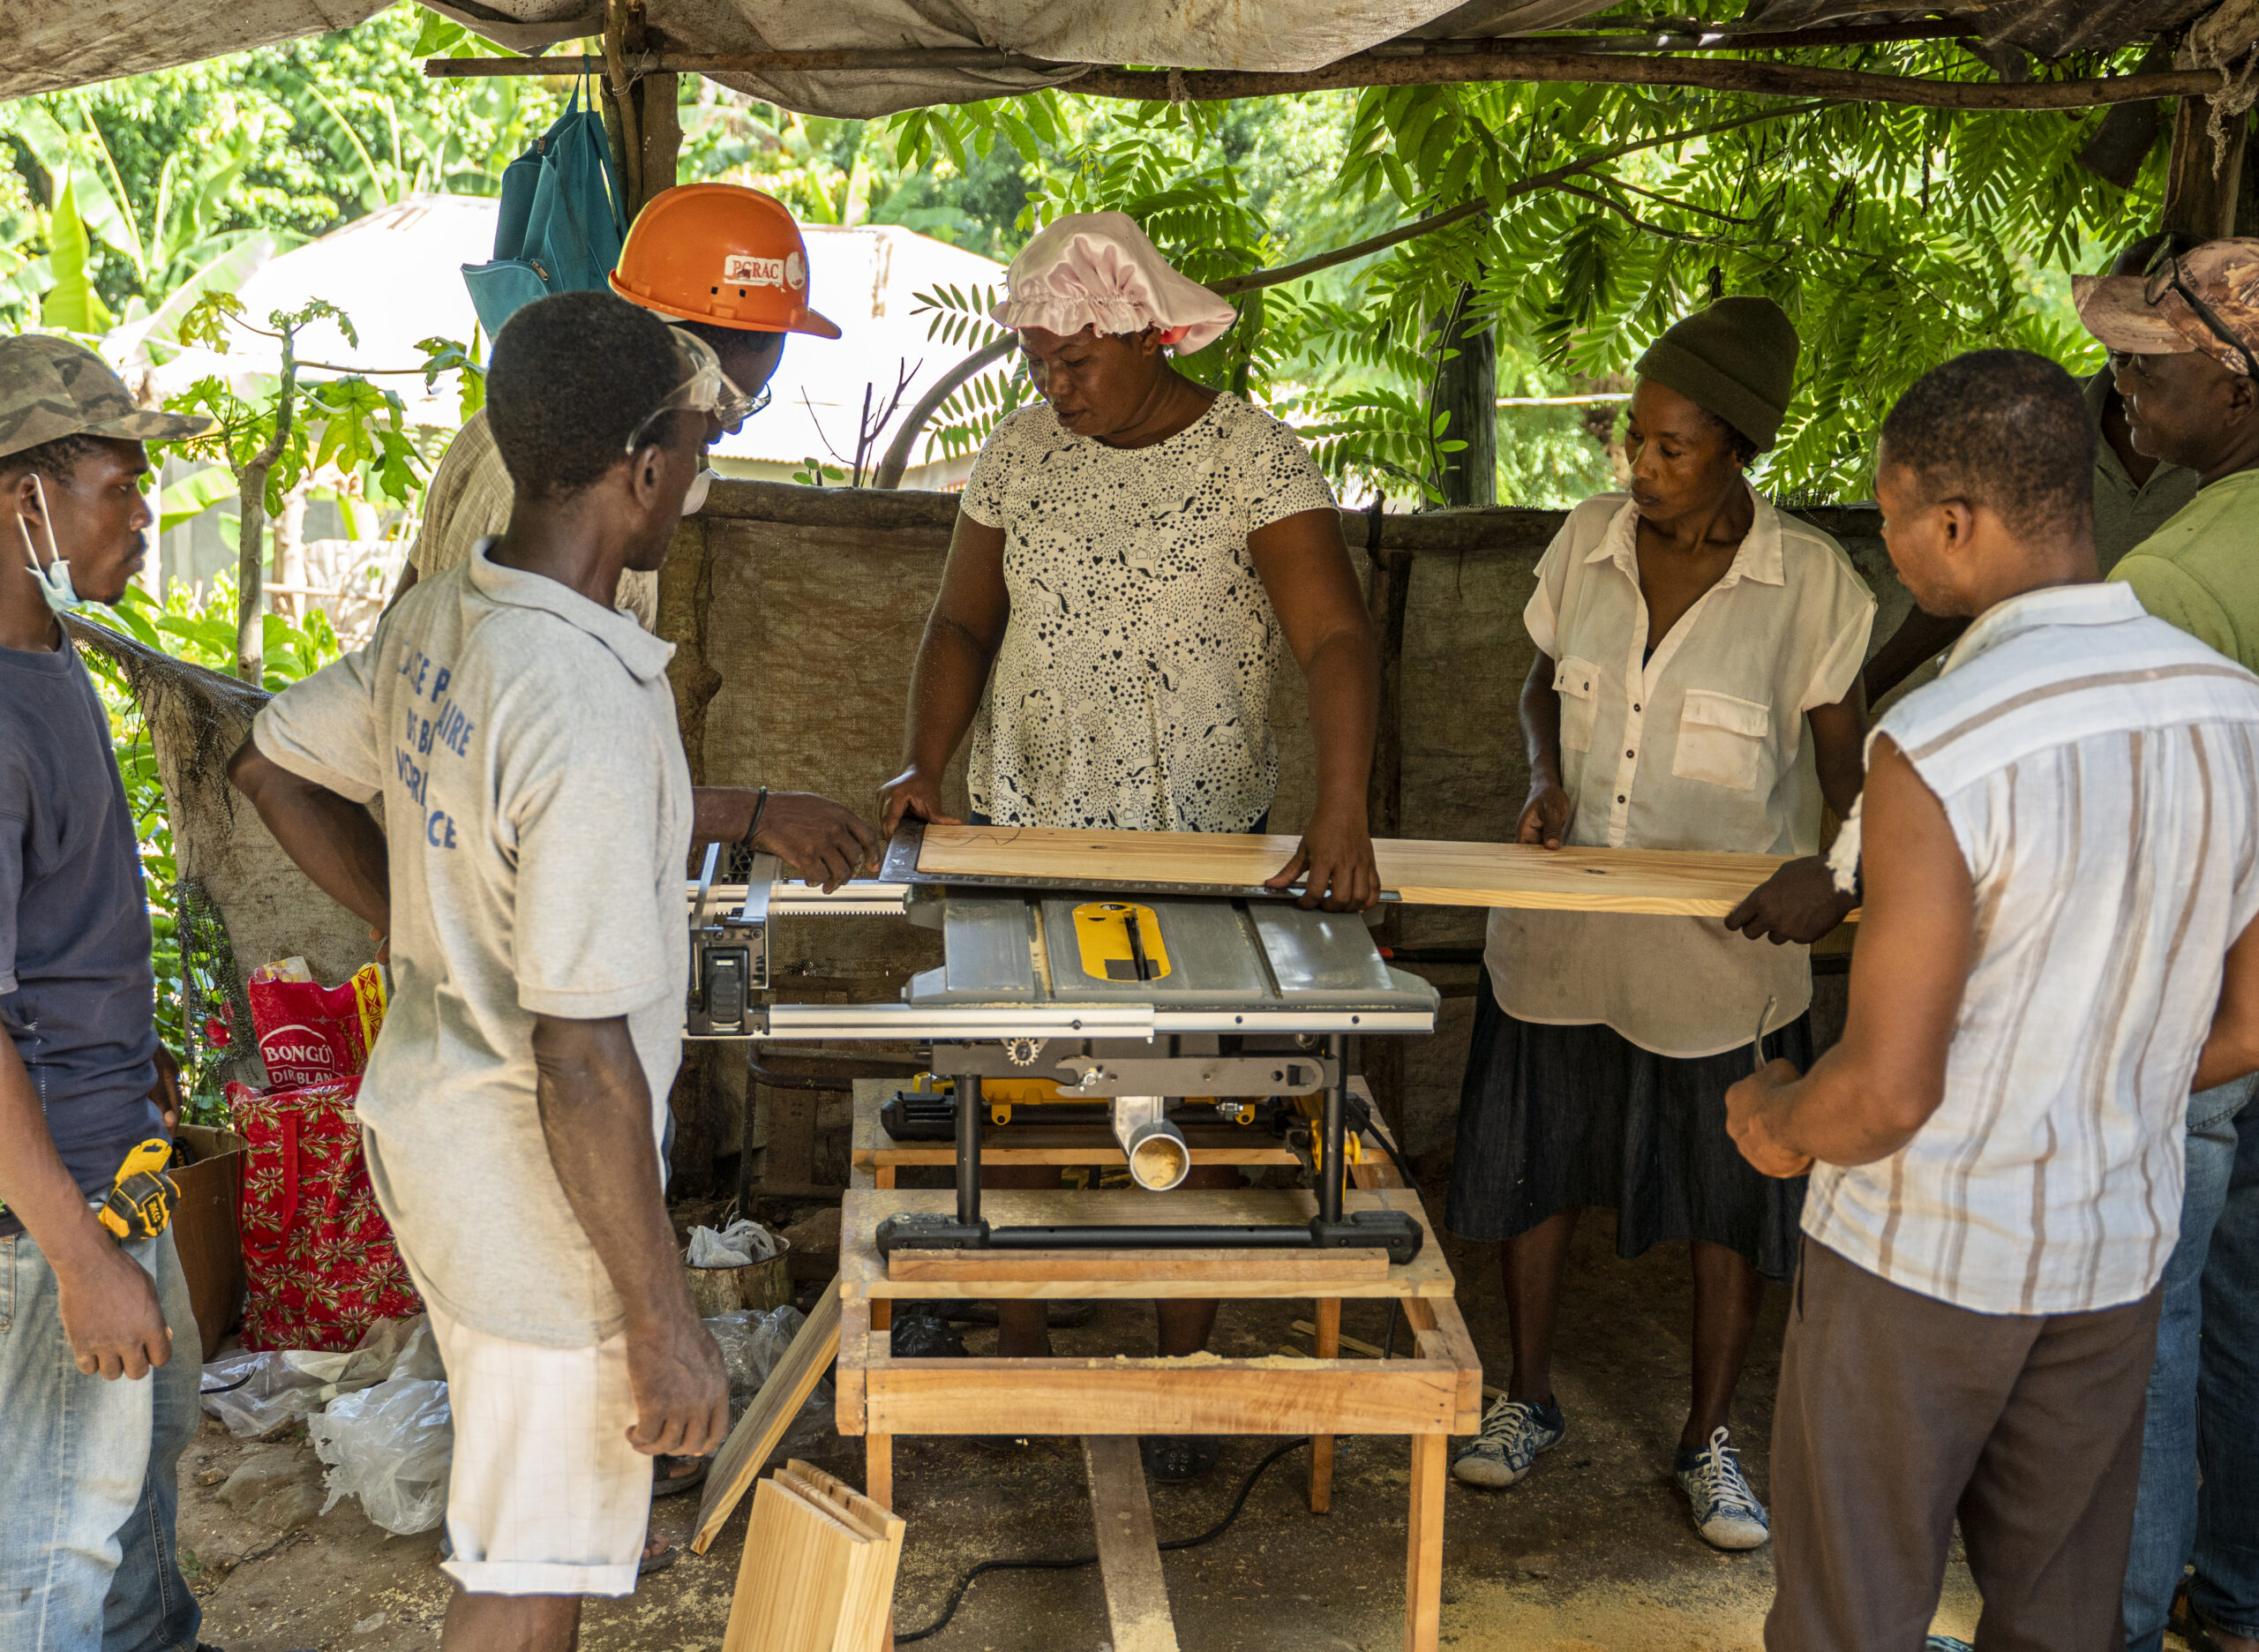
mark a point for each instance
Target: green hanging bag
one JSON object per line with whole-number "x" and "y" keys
{"x": 562, "y": 220}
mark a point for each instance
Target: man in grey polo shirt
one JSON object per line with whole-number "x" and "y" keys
{"x": 538, "y": 816}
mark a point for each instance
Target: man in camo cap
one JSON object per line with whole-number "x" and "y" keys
{"x": 99, "y": 1362}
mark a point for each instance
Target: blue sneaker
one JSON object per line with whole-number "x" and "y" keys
{"x": 1724, "y": 1510}
{"x": 1513, "y": 1432}
{"x": 1945, "y": 1643}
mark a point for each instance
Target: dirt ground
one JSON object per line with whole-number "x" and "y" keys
{"x": 1593, "y": 1553}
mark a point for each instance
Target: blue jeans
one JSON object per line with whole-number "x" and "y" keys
{"x": 90, "y": 1474}
{"x": 2205, "y": 1322}
{"x": 2226, "y": 1587}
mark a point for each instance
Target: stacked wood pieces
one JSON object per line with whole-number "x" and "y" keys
{"x": 1669, "y": 883}
{"x": 762, "y": 1426}
{"x": 818, "y": 1570}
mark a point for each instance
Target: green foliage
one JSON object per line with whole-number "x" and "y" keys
{"x": 170, "y": 172}
{"x": 1895, "y": 237}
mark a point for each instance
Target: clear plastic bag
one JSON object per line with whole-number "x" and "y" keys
{"x": 752, "y": 1340}
{"x": 742, "y": 1243}
{"x": 255, "y": 1394}
{"x": 391, "y": 1447}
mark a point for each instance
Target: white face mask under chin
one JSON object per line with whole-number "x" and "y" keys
{"x": 694, "y": 500}
{"x": 55, "y": 585}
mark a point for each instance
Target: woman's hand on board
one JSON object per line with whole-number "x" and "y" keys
{"x": 1334, "y": 863}
{"x": 1545, "y": 817}
{"x": 916, "y": 791}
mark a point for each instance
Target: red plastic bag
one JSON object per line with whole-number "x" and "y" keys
{"x": 313, "y": 1034}
{"x": 321, "y": 1260}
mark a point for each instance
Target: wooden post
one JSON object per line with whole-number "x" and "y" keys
{"x": 1321, "y": 1445}
{"x": 1423, "y": 1572}
{"x": 1388, "y": 592}
{"x": 640, "y": 112}
{"x": 2201, "y": 189}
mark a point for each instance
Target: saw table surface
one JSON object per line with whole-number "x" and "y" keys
{"x": 1667, "y": 882}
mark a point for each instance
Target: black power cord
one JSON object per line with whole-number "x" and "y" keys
{"x": 957, "y": 1595}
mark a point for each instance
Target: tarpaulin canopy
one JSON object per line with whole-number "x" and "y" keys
{"x": 46, "y": 45}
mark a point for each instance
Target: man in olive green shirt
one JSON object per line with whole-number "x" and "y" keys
{"x": 2184, "y": 349}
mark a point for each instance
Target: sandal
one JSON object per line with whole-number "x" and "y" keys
{"x": 658, "y": 1560}
{"x": 664, "y": 1485}
{"x": 1175, "y": 1459}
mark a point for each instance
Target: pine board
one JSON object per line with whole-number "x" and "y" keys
{"x": 1129, "y": 1554}
{"x": 1666, "y": 882}
{"x": 757, "y": 1433}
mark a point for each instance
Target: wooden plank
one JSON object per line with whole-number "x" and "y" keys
{"x": 1202, "y": 1394}
{"x": 1423, "y": 1568}
{"x": 864, "y": 1273}
{"x": 796, "y": 1576}
{"x": 1129, "y": 1554}
{"x": 763, "y": 1424}
{"x": 1670, "y": 882}
{"x": 1134, "y": 1266}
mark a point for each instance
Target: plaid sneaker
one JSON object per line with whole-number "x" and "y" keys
{"x": 1513, "y": 1432}
{"x": 1724, "y": 1510}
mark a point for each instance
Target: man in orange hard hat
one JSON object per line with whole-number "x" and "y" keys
{"x": 726, "y": 266}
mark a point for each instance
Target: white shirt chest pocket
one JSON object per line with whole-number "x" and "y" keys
{"x": 1722, "y": 740}
{"x": 1577, "y": 683}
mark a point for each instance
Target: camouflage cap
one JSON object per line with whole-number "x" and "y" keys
{"x": 2150, "y": 315}
{"x": 52, "y": 388}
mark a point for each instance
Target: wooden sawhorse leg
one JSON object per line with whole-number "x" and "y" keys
{"x": 878, "y": 1485}
{"x": 1423, "y": 1570}
{"x": 1321, "y": 1445}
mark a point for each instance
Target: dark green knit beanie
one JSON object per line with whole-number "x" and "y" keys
{"x": 1736, "y": 359}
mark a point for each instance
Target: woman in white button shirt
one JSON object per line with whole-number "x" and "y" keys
{"x": 1695, "y": 687}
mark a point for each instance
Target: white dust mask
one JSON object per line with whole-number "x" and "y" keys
{"x": 694, "y": 500}
{"x": 55, "y": 585}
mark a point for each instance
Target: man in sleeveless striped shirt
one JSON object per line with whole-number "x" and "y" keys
{"x": 2059, "y": 841}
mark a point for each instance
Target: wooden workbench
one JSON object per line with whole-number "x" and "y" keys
{"x": 1433, "y": 1394}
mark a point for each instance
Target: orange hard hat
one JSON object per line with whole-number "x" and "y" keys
{"x": 723, "y": 254}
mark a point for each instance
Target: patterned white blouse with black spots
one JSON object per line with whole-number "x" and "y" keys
{"x": 1133, "y": 687}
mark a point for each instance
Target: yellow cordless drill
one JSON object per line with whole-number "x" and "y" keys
{"x": 139, "y": 1203}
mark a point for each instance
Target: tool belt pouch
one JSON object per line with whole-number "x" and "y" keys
{"x": 321, "y": 1261}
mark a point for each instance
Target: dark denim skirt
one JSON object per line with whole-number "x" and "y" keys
{"x": 1558, "y": 1118}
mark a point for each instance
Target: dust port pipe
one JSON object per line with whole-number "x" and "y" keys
{"x": 1155, "y": 1148}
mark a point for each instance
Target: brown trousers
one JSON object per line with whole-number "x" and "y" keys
{"x": 1898, "y": 1412}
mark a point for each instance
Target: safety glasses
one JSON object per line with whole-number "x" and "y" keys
{"x": 708, "y": 390}
{"x": 2165, "y": 276}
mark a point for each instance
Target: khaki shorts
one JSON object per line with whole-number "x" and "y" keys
{"x": 546, "y": 1497}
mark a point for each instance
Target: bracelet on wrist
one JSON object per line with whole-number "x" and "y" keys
{"x": 759, "y": 804}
